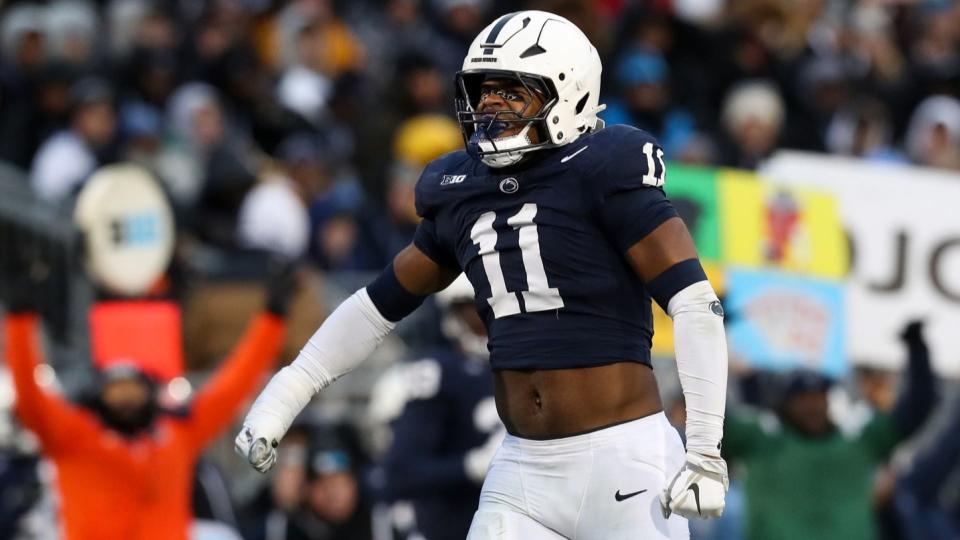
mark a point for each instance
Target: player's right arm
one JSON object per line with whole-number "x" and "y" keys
{"x": 344, "y": 340}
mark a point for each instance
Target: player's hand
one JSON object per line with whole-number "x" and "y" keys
{"x": 698, "y": 489}
{"x": 257, "y": 442}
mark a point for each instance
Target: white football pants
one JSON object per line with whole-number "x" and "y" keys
{"x": 603, "y": 485}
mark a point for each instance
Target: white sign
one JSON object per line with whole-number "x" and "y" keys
{"x": 904, "y": 227}
{"x": 128, "y": 227}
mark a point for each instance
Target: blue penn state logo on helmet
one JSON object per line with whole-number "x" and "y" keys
{"x": 509, "y": 185}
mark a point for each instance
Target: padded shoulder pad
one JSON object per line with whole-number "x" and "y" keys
{"x": 632, "y": 159}
{"x": 439, "y": 173}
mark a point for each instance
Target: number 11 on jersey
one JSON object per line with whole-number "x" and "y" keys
{"x": 539, "y": 296}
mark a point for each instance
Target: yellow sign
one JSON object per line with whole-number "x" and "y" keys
{"x": 765, "y": 225}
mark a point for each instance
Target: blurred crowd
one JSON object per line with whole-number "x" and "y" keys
{"x": 300, "y": 127}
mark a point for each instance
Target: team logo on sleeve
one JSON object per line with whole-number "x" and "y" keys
{"x": 509, "y": 185}
{"x": 452, "y": 179}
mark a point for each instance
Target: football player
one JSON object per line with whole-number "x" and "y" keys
{"x": 562, "y": 227}
{"x": 446, "y": 429}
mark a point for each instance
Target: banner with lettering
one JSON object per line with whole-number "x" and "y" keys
{"x": 790, "y": 237}
{"x": 904, "y": 237}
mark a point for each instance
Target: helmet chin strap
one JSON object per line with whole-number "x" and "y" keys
{"x": 496, "y": 152}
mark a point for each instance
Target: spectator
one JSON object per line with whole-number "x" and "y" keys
{"x": 125, "y": 24}
{"x": 821, "y": 88}
{"x": 459, "y": 22}
{"x": 306, "y": 86}
{"x": 333, "y": 493}
{"x": 65, "y": 159}
{"x": 274, "y": 218}
{"x": 220, "y": 48}
{"x": 643, "y": 101}
{"x": 419, "y": 140}
{"x": 753, "y": 116}
{"x": 874, "y": 57}
{"x": 419, "y": 87}
{"x": 153, "y": 75}
{"x": 333, "y": 234}
{"x": 194, "y": 124}
{"x": 72, "y": 27}
{"x": 804, "y": 478}
{"x": 207, "y": 168}
{"x": 388, "y": 35}
{"x": 933, "y": 137}
{"x": 22, "y": 59}
{"x": 922, "y": 501}
{"x": 313, "y": 493}
{"x": 22, "y": 34}
{"x": 339, "y": 239}
{"x": 141, "y": 132}
{"x": 445, "y": 428}
{"x": 425, "y": 137}
{"x": 863, "y": 129}
{"x": 275, "y": 511}
{"x": 915, "y": 507}
{"x": 28, "y": 119}
{"x": 140, "y": 457}
{"x": 933, "y": 50}
{"x": 325, "y": 49}
{"x": 21, "y": 488}
{"x": 276, "y": 214}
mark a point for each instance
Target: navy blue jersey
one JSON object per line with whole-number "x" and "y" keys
{"x": 449, "y": 411}
{"x": 544, "y": 246}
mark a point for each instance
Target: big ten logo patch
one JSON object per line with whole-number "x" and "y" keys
{"x": 452, "y": 179}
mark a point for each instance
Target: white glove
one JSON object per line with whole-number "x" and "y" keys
{"x": 698, "y": 488}
{"x": 478, "y": 459}
{"x": 258, "y": 440}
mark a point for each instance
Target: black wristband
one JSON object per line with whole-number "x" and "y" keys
{"x": 392, "y": 300}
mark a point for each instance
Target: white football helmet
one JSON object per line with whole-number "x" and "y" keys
{"x": 453, "y": 326}
{"x": 547, "y": 54}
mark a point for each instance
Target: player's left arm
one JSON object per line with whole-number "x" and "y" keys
{"x": 345, "y": 339}
{"x": 666, "y": 260}
{"x": 641, "y": 223}
{"x": 416, "y": 465}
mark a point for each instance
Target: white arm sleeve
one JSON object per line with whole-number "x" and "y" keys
{"x": 701, "y": 349}
{"x": 344, "y": 340}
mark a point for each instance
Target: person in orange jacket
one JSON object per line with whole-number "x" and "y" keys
{"x": 124, "y": 468}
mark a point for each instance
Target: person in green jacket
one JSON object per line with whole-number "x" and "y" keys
{"x": 804, "y": 479}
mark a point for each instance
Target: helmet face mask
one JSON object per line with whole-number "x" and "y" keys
{"x": 537, "y": 54}
{"x": 483, "y": 130}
